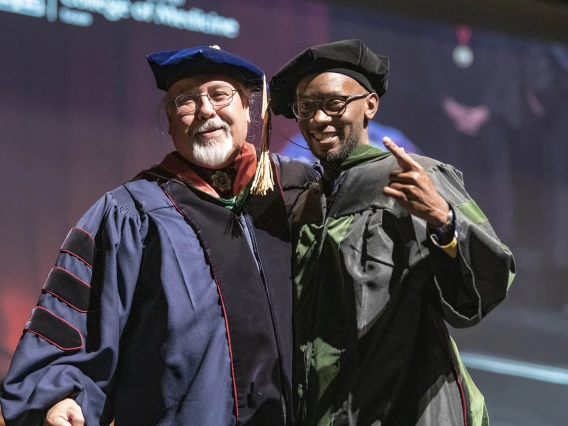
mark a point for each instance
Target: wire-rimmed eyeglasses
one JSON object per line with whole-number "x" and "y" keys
{"x": 332, "y": 105}
{"x": 219, "y": 96}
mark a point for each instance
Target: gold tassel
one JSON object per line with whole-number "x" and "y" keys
{"x": 263, "y": 180}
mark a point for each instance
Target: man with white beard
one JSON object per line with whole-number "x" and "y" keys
{"x": 164, "y": 306}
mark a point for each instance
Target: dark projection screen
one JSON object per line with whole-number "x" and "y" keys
{"x": 80, "y": 114}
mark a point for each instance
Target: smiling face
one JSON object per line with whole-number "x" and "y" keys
{"x": 210, "y": 137}
{"x": 332, "y": 138}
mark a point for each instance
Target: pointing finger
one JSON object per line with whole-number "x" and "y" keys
{"x": 402, "y": 157}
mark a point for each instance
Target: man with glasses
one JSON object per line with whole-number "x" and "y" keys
{"x": 170, "y": 302}
{"x": 388, "y": 247}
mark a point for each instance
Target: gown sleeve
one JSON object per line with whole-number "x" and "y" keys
{"x": 69, "y": 347}
{"x": 477, "y": 280}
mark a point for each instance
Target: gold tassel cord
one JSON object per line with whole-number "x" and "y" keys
{"x": 263, "y": 180}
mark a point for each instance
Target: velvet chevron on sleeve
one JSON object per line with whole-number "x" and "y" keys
{"x": 104, "y": 247}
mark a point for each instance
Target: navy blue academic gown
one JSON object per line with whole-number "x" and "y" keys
{"x": 165, "y": 308}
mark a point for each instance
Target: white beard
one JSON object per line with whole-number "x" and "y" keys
{"x": 213, "y": 153}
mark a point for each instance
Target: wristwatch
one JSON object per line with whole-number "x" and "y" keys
{"x": 444, "y": 234}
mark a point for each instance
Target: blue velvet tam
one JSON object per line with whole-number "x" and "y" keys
{"x": 173, "y": 65}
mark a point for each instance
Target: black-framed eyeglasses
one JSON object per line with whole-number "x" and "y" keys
{"x": 332, "y": 105}
{"x": 220, "y": 96}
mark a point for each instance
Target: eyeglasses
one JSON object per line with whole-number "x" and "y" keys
{"x": 187, "y": 103}
{"x": 332, "y": 105}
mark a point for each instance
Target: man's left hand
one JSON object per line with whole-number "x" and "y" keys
{"x": 413, "y": 189}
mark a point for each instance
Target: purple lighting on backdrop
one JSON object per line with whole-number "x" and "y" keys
{"x": 80, "y": 115}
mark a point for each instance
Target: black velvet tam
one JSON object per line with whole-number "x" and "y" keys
{"x": 173, "y": 65}
{"x": 348, "y": 57}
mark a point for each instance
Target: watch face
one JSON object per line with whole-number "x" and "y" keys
{"x": 463, "y": 56}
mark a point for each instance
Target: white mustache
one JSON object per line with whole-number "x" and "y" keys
{"x": 211, "y": 124}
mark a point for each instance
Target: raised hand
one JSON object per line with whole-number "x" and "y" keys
{"x": 65, "y": 413}
{"x": 413, "y": 189}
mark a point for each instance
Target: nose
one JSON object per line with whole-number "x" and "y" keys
{"x": 321, "y": 117}
{"x": 206, "y": 109}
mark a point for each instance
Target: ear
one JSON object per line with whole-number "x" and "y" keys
{"x": 247, "y": 113}
{"x": 169, "y": 117}
{"x": 169, "y": 125}
{"x": 372, "y": 105}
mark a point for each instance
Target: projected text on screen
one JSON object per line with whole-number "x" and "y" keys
{"x": 169, "y": 13}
